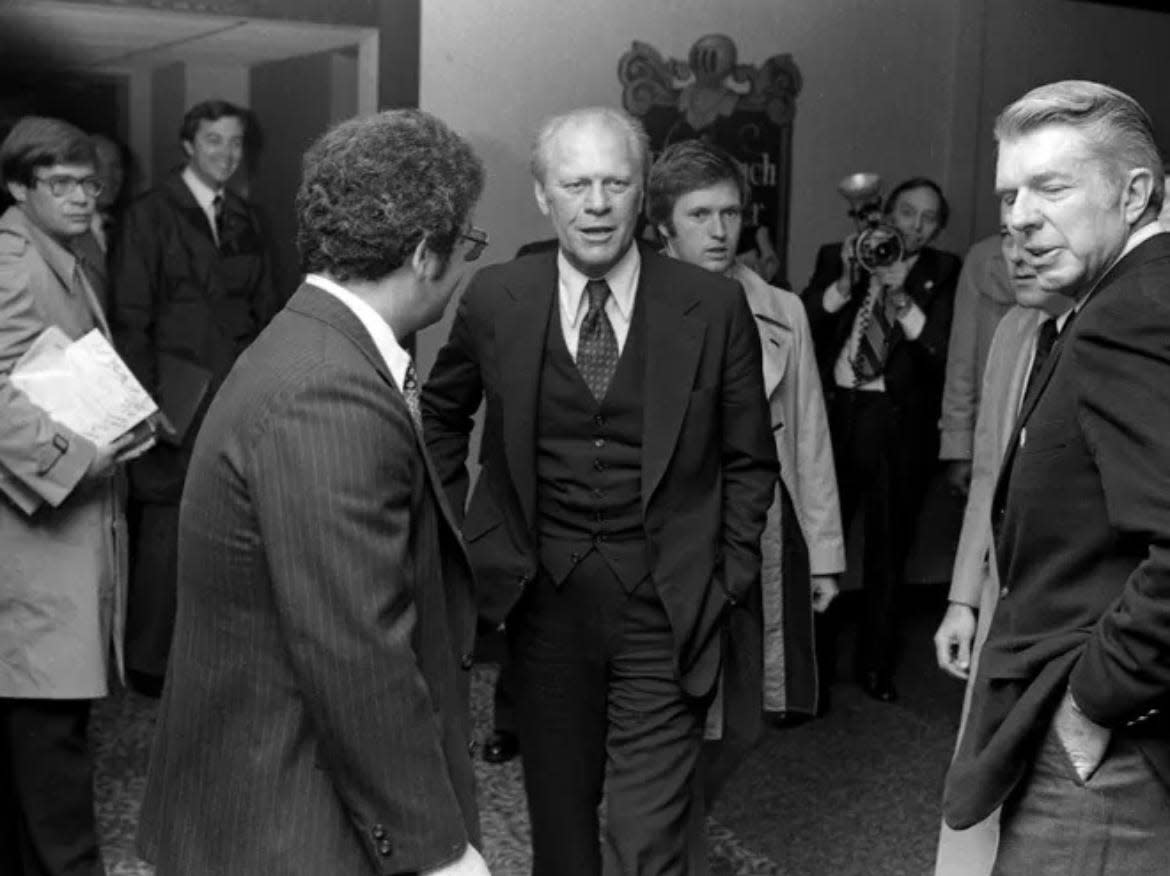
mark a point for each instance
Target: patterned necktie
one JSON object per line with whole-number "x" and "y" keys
{"x": 597, "y": 349}
{"x": 217, "y": 212}
{"x": 1045, "y": 341}
{"x": 873, "y": 339}
{"x": 411, "y": 393}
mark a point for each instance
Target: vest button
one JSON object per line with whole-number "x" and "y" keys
{"x": 598, "y": 442}
{"x": 468, "y": 661}
{"x": 599, "y": 538}
{"x": 599, "y": 465}
{"x": 599, "y": 420}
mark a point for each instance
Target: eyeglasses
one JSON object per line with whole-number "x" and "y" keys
{"x": 61, "y": 185}
{"x": 479, "y": 242}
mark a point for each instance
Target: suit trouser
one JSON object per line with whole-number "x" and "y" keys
{"x": 1117, "y": 823}
{"x": 152, "y": 596}
{"x": 882, "y": 469}
{"x": 600, "y": 706}
{"x": 47, "y": 821}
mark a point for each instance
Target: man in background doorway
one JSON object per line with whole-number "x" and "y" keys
{"x": 191, "y": 288}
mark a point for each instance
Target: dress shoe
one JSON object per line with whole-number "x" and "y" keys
{"x": 786, "y": 720}
{"x": 880, "y": 687}
{"x": 501, "y": 747}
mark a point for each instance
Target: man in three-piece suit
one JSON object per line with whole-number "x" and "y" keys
{"x": 627, "y": 471}
{"x": 881, "y": 341}
{"x": 1068, "y": 726}
{"x": 190, "y": 289}
{"x": 315, "y": 718}
{"x": 1019, "y": 346}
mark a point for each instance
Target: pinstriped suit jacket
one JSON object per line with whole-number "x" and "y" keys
{"x": 315, "y": 718}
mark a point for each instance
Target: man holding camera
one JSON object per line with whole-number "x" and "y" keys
{"x": 880, "y": 325}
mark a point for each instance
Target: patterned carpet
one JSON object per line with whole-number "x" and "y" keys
{"x": 124, "y": 725}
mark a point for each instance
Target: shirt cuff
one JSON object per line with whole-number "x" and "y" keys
{"x": 834, "y": 300}
{"x": 913, "y": 321}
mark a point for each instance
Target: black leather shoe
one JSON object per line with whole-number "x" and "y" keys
{"x": 879, "y": 687}
{"x": 501, "y": 747}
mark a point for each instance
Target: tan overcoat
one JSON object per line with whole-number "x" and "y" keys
{"x": 62, "y": 542}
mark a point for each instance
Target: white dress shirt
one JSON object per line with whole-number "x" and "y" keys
{"x": 397, "y": 359}
{"x": 204, "y": 197}
{"x": 619, "y": 307}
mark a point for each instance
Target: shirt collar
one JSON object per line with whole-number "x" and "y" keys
{"x": 622, "y": 279}
{"x": 1135, "y": 240}
{"x": 397, "y": 359}
{"x": 202, "y": 192}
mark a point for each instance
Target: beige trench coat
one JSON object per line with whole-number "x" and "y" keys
{"x": 62, "y": 543}
{"x": 801, "y": 428}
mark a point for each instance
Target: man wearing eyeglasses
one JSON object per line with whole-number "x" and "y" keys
{"x": 61, "y": 523}
{"x": 190, "y": 289}
{"x": 316, "y": 718}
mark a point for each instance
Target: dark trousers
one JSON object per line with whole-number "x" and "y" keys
{"x": 47, "y": 822}
{"x": 599, "y": 706}
{"x": 1115, "y": 824}
{"x": 883, "y": 468}
{"x": 504, "y": 699}
{"x": 150, "y": 604}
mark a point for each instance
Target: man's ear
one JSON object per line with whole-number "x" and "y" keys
{"x": 426, "y": 263}
{"x": 541, "y": 197}
{"x": 1136, "y": 193}
{"x": 19, "y": 192}
{"x": 188, "y": 148}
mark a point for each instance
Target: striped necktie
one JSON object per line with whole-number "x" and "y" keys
{"x": 410, "y": 391}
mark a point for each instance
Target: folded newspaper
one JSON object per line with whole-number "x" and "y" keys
{"x": 85, "y": 386}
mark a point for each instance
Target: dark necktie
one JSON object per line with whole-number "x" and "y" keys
{"x": 410, "y": 392}
{"x": 1045, "y": 341}
{"x": 597, "y": 349}
{"x": 873, "y": 341}
{"x": 217, "y": 211}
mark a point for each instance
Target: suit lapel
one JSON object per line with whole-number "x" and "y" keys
{"x": 776, "y": 333}
{"x": 674, "y": 345}
{"x": 520, "y": 333}
{"x": 67, "y": 268}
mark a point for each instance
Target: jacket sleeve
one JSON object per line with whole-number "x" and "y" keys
{"x": 960, "y": 398}
{"x": 135, "y": 287}
{"x": 1122, "y": 358}
{"x": 451, "y": 396}
{"x": 337, "y": 536}
{"x": 748, "y": 453}
{"x": 817, "y": 503}
{"x": 975, "y": 538}
{"x": 41, "y": 461}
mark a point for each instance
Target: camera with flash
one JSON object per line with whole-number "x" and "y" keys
{"x": 878, "y": 244}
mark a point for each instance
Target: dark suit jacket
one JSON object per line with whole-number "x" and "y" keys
{"x": 315, "y": 717}
{"x": 1082, "y": 522}
{"x": 914, "y": 369}
{"x": 708, "y": 460}
{"x": 175, "y": 293}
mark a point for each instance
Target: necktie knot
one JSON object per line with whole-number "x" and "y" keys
{"x": 598, "y": 292}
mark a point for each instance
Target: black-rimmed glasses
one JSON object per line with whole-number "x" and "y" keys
{"x": 479, "y": 242}
{"x": 62, "y": 184}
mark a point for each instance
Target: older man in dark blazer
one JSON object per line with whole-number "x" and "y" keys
{"x": 315, "y": 718}
{"x": 1069, "y": 726}
{"x": 627, "y": 470}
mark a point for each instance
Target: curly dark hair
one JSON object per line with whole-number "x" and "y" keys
{"x": 685, "y": 167}
{"x": 375, "y": 186}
